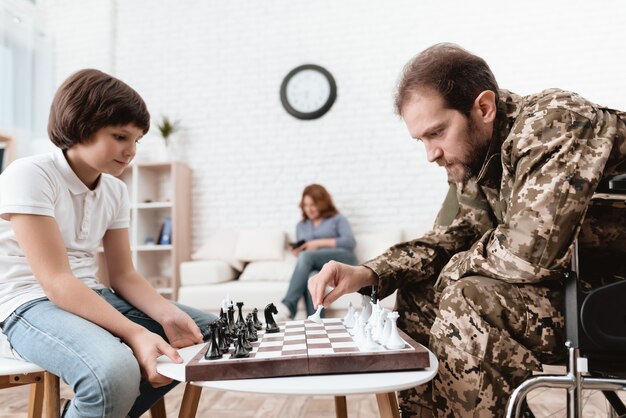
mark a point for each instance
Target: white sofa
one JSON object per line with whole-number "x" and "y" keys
{"x": 254, "y": 266}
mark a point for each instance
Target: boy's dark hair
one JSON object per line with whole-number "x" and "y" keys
{"x": 456, "y": 74}
{"x": 90, "y": 100}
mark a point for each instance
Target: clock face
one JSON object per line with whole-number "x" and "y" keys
{"x": 308, "y": 91}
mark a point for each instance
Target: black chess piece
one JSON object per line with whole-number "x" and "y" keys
{"x": 271, "y": 326}
{"x": 231, "y": 319}
{"x": 251, "y": 331}
{"x": 213, "y": 352}
{"x": 257, "y": 324}
{"x": 224, "y": 343}
{"x": 240, "y": 320}
{"x": 240, "y": 350}
{"x": 228, "y": 336}
{"x": 244, "y": 339}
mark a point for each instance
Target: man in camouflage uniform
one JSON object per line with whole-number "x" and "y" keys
{"x": 484, "y": 288}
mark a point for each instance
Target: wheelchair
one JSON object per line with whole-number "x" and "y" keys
{"x": 595, "y": 329}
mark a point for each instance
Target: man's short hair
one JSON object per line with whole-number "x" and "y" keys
{"x": 456, "y": 74}
{"x": 90, "y": 100}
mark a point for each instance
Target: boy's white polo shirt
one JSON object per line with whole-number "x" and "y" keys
{"x": 46, "y": 185}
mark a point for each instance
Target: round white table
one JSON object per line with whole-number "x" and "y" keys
{"x": 383, "y": 384}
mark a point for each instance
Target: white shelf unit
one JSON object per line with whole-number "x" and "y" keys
{"x": 158, "y": 190}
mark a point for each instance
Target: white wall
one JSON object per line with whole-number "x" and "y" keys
{"x": 218, "y": 65}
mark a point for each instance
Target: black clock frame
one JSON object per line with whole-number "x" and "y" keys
{"x": 322, "y": 110}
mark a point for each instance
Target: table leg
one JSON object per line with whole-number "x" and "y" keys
{"x": 189, "y": 404}
{"x": 388, "y": 405}
{"x": 341, "y": 408}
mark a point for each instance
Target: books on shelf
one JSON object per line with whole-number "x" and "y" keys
{"x": 165, "y": 236}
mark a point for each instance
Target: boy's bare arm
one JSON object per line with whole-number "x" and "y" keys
{"x": 40, "y": 239}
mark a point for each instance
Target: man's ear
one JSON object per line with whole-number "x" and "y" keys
{"x": 485, "y": 106}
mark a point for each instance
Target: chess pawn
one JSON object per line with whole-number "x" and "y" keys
{"x": 240, "y": 350}
{"x": 368, "y": 341}
{"x": 366, "y": 308}
{"x": 355, "y": 321}
{"x": 244, "y": 340}
{"x": 223, "y": 342}
{"x": 251, "y": 335}
{"x": 348, "y": 320}
{"x": 255, "y": 317}
{"x": 384, "y": 335}
{"x": 213, "y": 351}
{"x": 395, "y": 342}
{"x": 240, "y": 319}
{"x": 359, "y": 328}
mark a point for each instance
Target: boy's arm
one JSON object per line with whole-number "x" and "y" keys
{"x": 40, "y": 239}
{"x": 180, "y": 329}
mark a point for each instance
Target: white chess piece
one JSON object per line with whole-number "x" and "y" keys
{"x": 316, "y": 316}
{"x": 224, "y": 305}
{"x": 386, "y": 331}
{"x": 348, "y": 320}
{"x": 366, "y": 308}
{"x": 394, "y": 341}
{"x": 368, "y": 342}
{"x": 373, "y": 319}
{"x": 380, "y": 325}
{"x": 359, "y": 329}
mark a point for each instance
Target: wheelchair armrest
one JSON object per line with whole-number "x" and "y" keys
{"x": 613, "y": 185}
{"x": 617, "y": 184}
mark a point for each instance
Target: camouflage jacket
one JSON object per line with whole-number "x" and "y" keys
{"x": 517, "y": 220}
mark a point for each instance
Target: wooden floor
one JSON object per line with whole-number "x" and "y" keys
{"x": 219, "y": 404}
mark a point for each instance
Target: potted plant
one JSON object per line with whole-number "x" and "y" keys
{"x": 167, "y": 127}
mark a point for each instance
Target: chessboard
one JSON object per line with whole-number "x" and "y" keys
{"x": 307, "y": 348}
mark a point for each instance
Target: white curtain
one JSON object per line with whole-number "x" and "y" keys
{"x": 26, "y": 74}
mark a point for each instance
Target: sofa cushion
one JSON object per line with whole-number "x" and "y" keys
{"x": 201, "y": 272}
{"x": 372, "y": 243}
{"x": 260, "y": 245}
{"x": 220, "y": 246}
{"x": 270, "y": 271}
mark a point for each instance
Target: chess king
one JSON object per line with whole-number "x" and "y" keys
{"x": 484, "y": 288}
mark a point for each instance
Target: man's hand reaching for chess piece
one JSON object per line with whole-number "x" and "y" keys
{"x": 342, "y": 278}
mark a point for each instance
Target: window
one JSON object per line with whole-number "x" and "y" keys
{"x": 26, "y": 73}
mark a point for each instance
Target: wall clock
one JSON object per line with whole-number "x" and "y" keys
{"x": 308, "y": 91}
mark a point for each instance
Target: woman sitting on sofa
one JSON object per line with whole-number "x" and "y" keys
{"x": 323, "y": 235}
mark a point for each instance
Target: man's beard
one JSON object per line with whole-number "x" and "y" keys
{"x": 475, "y": 154}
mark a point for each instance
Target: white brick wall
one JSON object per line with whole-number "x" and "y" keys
{"x": 218, "y": 65}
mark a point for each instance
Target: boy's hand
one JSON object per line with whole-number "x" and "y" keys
{"x": 180, "y": 329}
{"x": 147, "y": 347}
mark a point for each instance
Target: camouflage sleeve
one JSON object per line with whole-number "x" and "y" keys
{"x": 553, "y": 160}
{"x": 463, "y": 217}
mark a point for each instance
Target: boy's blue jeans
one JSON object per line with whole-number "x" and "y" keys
{"x": 309, "y": 262}
{"x": 102, "y": 372}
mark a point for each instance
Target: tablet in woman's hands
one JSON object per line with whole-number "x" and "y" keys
{"x": 295, "y": 245}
